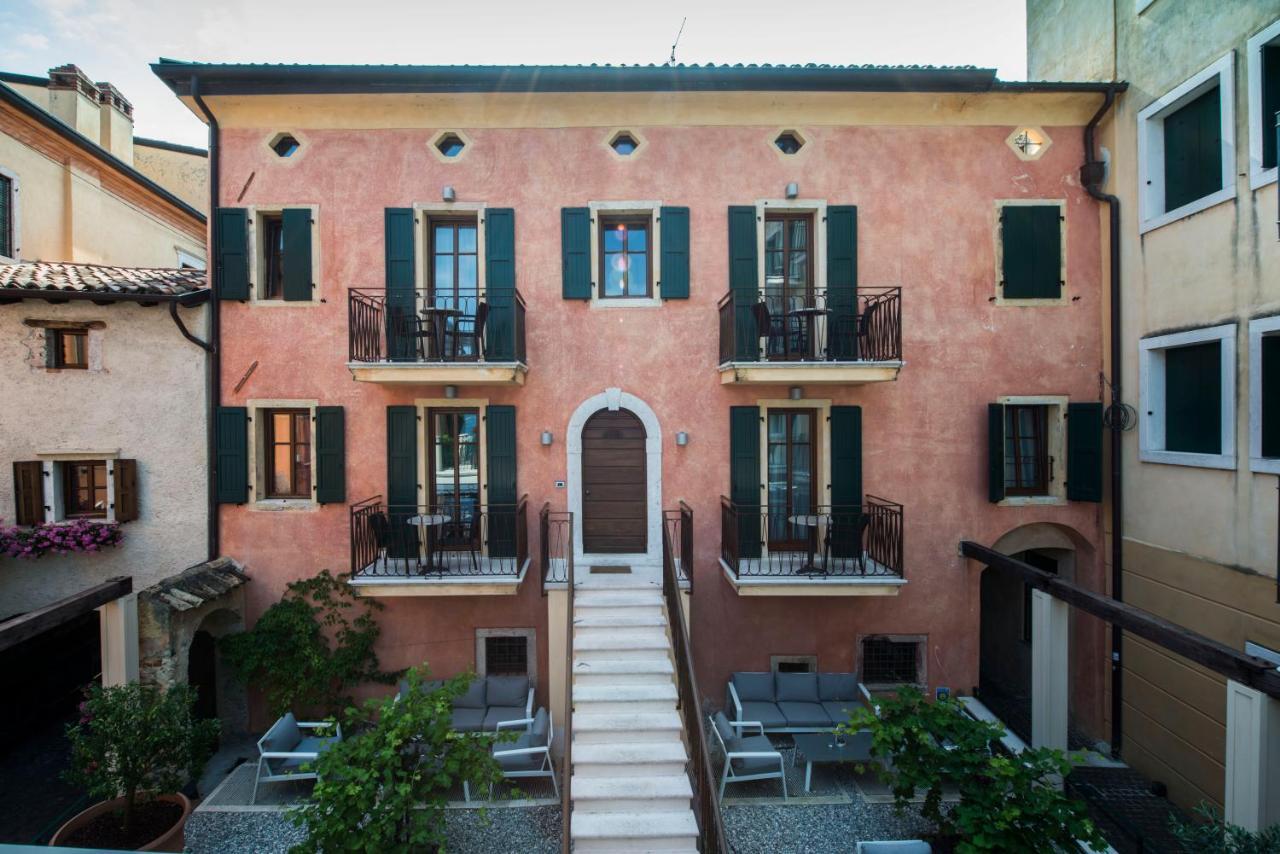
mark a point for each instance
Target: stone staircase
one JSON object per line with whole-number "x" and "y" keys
{"x": 629, "y": 786}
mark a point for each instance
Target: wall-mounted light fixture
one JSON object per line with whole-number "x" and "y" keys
{"x": 682, "y": 438}
{"x": 795, "y": 393}
{"x": 547, "y": 438}
{"x": 793, "y": 190}
{"x": 451, "y": 391}
{"x": 449, "y": 195}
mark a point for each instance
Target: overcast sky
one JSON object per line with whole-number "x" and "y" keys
{"x": 115, "y": 40}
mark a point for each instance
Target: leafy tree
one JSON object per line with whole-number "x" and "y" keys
{"x": 1213, "y": 833}
{"x": 137, "y": 740}
{"x": 385, "y": 788}
{"x": 310, "y": 648}
{"x": 1006, "y": 803}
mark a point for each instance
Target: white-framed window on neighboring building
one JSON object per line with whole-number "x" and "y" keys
{"x": 1263, "y": 53}
{"x": 1188, "y": 398}
{"x": 1264, "y": 395}
{"x": 66, "y": 486}
{"x": 1186, "y": 147}
{"x": 189, "y": 261}
{"x": 10, "y": 248}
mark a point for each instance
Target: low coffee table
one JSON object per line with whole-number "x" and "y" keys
{"x": 821, "y": 748}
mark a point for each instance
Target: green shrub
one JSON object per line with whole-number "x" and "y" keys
{"x": 307, "y": 651}
{"x": 385, "y": 787}
{"x": 1213, "y": 833}
{"x": 1006, "y": 803}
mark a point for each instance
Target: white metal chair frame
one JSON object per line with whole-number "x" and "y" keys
{"x": 546, "y": 769}
{"x": 265, "y": 757}
{"x": 731, "y": 776}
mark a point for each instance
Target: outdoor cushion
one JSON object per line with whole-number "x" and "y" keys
{"x": 473, "y": 697}
{"x": 722, "y": 725}
{"x": 497, "y": 714}
{"x": 837, "y": 686}
{"x": 754, "y": 687}
{"x": 521, "y": 761}
{"x": 797, "y": 687}
{"x": 754, "y": 765}
{"x": 507, "y": 691}
{"x": 538, "y": 732}
{"x": 468, "y": 720}
{"x": 839, "y": 710}
{"x": 805, "y": 714}
{"x": 283, "y": 736}
{"x": 902, "y": 846}
{"x": 766, "y": 713}
{"x": 311, "y": 744}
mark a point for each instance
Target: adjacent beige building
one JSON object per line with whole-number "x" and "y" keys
{"x": 1188, "y": 156}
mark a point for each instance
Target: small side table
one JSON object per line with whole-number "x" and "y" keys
{"x": 810, "y": 521}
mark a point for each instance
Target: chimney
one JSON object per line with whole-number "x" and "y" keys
{"x": 116, "y": 135}
{"x": 73, "y": 98}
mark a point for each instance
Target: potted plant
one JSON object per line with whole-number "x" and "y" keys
{"x": 135, "y": 745}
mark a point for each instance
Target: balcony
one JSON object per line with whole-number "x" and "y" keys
{"x": 462, "y": 549}
{"x": 853, "y": 550}
{"x": 407, "y": 336}
{"x": 832, "y": 336}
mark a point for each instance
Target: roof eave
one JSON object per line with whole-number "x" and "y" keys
{"x": 188, "y": 299}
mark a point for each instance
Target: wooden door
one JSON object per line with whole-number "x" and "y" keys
{"x": 614, "y": 490}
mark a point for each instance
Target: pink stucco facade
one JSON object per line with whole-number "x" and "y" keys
{"x": 927, "y": 220}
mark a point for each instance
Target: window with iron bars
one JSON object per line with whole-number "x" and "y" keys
{"x": 890, "y": 662}
{"x": 506, "y": 656}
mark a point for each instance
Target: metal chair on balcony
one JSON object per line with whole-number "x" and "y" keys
{"x": 862, "y": 329}
{"x": 849, "y": 534}
{"x": 469, "y": 329}
{"x": 380, "y": 527}
{"x": 771, "y": 329}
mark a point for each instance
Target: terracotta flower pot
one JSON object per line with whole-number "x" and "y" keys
{"x": 170, "y": 840}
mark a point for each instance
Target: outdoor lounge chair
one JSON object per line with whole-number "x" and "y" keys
{"x": 747, "y": 757}
{"x": 530, "y": 754}
{"x": 488, "y": 701}
{"x": 284, "y": 751}
{"x": 792, "y": 702}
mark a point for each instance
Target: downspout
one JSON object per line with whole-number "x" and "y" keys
{"x": 182, "y": 327}
{"x": 1092, "y": 175}
{"x": 215, "y": 312}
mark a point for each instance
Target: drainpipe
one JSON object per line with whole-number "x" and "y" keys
{"x": 182, "y": 327}
{"x": 1091, "y": 175}
{"x": 215, "y": 325}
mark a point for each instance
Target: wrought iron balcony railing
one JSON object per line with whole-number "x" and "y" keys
{"x": 832, "y": 325}
{"x": 415, "y": 326}
{"x": 438, "y": 541}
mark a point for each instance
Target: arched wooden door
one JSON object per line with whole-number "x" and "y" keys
{"x": 614, "y": 487}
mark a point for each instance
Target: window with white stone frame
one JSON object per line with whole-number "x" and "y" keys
{"x": 1264, "y": 395}
{"x": 507, "y": 652}
{"x": 1187, "y": 388}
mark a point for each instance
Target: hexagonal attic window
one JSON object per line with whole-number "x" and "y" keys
{"x": 789, "y": 142}
{"x": 285, "y": 145}
{"x": 624, "y": 143}
{"x": 450, "y": 145}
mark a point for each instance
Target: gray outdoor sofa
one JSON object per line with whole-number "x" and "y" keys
{"x": 793, "y": 702}
{"x": 489, "y": 701}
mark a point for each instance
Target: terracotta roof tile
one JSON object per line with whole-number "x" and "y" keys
{"x": 96, "y": 278}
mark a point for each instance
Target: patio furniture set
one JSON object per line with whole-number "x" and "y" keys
{"x": 792, "y": 334}
{"x": 443, "y": 333}
{"x": 462, "y": 535}
{"x": 490, "y": 704}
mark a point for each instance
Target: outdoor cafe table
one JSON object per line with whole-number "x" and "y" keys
{"x": 426, "y": 522}
{"x": 823, "y": 748}
{"x": 810, "y": 521}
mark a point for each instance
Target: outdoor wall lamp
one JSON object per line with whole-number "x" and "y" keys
{"x": 546, "y": 437}
{"x": 682, "y": 438}
{"x": 793, "y": 190}
{"x": 449, "y": 195}
{"x": 451, "y": 391}
{"x": 795, "y": 393}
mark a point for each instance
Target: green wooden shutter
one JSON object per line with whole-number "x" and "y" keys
{"x": 1193, "y": 150}
{"x": 331, "y": 455}
{"x": 1271, "y": 396}
{"x": 124, "y": 473}
{"x": 296, "y": 224}
{"x": 846, "y": 479}
{"x": 500, "y": 458}
{"x": 6, "y": 216}
{"x": 744, "y": 281}
{"x": 1193, "y": 398}
{"x": 842, "y": 281}
{"x": 674, "y": 224}
{"x": 28, "y": 492}
{"x": 744, "y": 476}
{"x": 1270, "y": 104}
{"x": 500, "y": 284}
{"x": 231, "y": 463}
{"x": 402, "y": 480}
{"x": 401, "y": 345}
{"x": 1031, "y": 238}
{"x": 575, "y": 253}
{"x": 1084, "y": 451}
{"x": 995, "y": 451}
{"x": 231, "y": 275}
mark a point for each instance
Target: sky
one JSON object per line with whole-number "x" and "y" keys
{"x": 115, "y": 40}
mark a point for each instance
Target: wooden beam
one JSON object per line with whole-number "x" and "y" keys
{"x": 1257, "y": 673}
{"x": 26, "y": 626}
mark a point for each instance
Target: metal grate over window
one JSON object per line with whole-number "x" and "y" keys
{"x": 889, "y": 662}
{"x": 506, "y": 656}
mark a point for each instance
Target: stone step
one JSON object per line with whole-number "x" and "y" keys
{"x": 586, "y": 618}
{"x": 630, "y": 640}
{"x": 627, "y": 794}
{"x": 602, "y": 670}
{"x": 630, "y": 759}
{"x": 622, "y": 693}
{"x": 652, "y": 830}
{"x": 616, "y": 598}
{"x": 612, "y": 727}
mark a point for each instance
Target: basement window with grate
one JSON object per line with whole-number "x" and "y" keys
{"x": 506, "y": 656}
{"x": 888, "y": 661}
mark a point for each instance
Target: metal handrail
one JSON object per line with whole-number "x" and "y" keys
{"x": 564, "y": 522}
{"x": 706, "y": 803}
